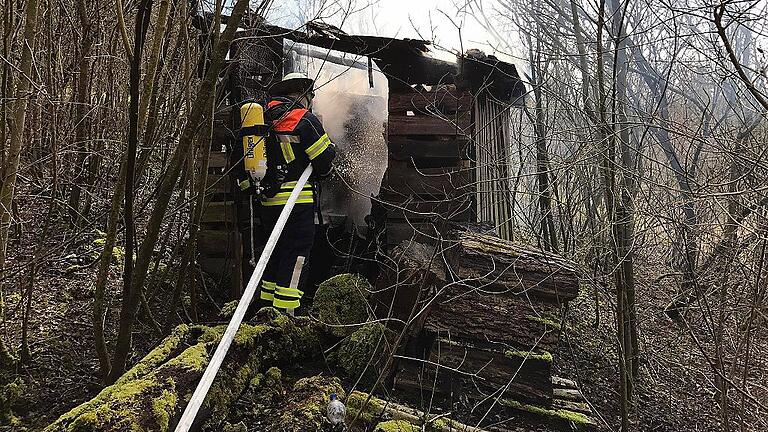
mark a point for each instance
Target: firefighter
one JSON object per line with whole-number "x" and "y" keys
{"x": 296, "y": 139}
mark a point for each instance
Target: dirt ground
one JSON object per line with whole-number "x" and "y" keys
{"x": 674, "y": 391}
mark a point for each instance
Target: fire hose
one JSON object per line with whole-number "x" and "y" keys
{"x": 198, "y": 397}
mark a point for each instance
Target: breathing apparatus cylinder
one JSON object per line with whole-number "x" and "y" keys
{"x": 254, "y": 134}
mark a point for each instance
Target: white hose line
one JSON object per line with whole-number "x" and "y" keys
{"x": 221, "y": 351}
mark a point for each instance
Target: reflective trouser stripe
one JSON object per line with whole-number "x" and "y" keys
{"x": 287, "y": 298}
{"x": 267, "y": 290}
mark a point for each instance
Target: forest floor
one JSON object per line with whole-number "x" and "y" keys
{"x": 674, "y": 391}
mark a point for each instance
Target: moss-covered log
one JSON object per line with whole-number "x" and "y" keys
{"x": 341, "y": 303}
{"x": 152, "y": 395}
{"x": 474, "y": 314}
{"x": 367, "y": 410}
{"x": 478, "y": 371}
{"x": 365, "y": 353}
{"x": 501, "y": 266}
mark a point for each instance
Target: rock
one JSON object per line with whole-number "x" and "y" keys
{"x": 341, "y": 303}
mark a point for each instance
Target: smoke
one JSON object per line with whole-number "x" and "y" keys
{"x": 355, "y": 116}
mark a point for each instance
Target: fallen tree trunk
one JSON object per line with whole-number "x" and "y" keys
{"x": 494, "y": 265}
{"x": 471, "y": 314}
{"x": 152, "y": 395}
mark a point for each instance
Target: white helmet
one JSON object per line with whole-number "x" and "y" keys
{"x": 294, "y": 82}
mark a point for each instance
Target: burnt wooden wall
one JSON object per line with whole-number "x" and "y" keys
{"x": 219, "y": 241}
{"x": 428, "y": 182}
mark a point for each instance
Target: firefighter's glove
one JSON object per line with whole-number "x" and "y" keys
{"x": 329, "y": 175}
{"x": 248, "y": 187}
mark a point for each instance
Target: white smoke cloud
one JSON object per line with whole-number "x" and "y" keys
{"x": 354, "y": 115}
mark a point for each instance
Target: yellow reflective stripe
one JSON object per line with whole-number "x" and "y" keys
{"x": 285, "y": 201}
{"x": 292, "y": 184}
{"x": 288, "y": 292}
{"x": 287, "y": 149}
{"x": 245, "y": 184}
{"x": 305, "y": 196}
{"x": 267, "y": 290}
{"x": 286, "y": 304}
{"x": 304, "y": 193}
{"x": 318, "y": 147}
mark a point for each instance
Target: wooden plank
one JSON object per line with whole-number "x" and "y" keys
{"x": 218, "y": 159}
{"x": 217, "y": 243}
{"x": 236, "y": 278}
{"x": 216, "y": 266}
{"x": 217, "y": 183}
{"x": 560, "y": 382}
{"x": 219, "y": 212}
{"x": 404, "y": 179}
{"x": 568, "y": 394}
{"x": 580, "y": 407}
{"x": 423, "y": 147}
{"x": 427, "y": 125}
{"x": 468, "y": 313}
{"x": 504, "y": 266}
{"x": 443, "y": 99}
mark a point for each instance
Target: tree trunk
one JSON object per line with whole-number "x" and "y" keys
{"x": 82, "y": 113}
{"x": 165, "y": 190}
{"x": 130, "y": 292}
{"x": 11, "y": 167}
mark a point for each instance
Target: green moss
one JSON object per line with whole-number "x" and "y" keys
{"x": 119, "y": 407}
{"x": 237, "y": 427}
{"x": 396, "y": 426}
{"x": 273, "y": 378}
{"x": 305, "y": 407}
{"x": 341, "y": 303}
{"x": 365, "y": 352}
{"x": 545, "y": 356}
{"x": 366, "y": 413}
{"x": 542, "y": 320}
{"x": 228, "y": 310}
{"x": 256, "y": 382}
{"x": 8, "y": 395}
{"x": 555, "y": 414}
{"x": 247, "y": 335}
{"x": 192, "y": 358}
{"x": 163, "y": 408}
{"x": 159, "y": 355}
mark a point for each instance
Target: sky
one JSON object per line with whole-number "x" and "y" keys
{"x": 433, "y": 20}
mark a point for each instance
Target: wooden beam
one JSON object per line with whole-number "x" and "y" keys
{"x": 445, "y": 99}
{"x": 399, "y": 124}
{"x": 403, "y": 180}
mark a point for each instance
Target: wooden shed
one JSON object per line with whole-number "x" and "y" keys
{"x": 447, "y": 136}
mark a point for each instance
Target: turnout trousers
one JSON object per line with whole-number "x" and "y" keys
{"x": 295, "y": 241}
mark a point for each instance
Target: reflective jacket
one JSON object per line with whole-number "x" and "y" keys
{"x": 297, "y": 138}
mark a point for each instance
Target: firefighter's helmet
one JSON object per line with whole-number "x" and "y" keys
{"x": 294, "y": 82}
